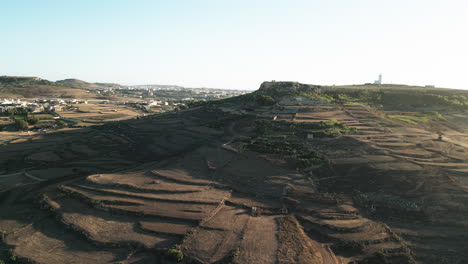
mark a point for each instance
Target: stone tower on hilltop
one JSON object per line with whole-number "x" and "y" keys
{"x": 379, "y": 81}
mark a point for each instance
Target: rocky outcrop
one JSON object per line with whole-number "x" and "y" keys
{"x": 283, "y": 88}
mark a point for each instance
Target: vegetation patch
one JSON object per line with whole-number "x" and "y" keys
{"x": 288, "y": 139}
{"x": 31, "y": 119}
{"x": 391, "y": 96}
{"x": 264, "y": 100}
{"x": 329, "y": 128}
{"x": 174, "y": 255}
{"x": 109, "y": 116}
{"x": 420, "y": 118}
{"x": 61, "y": 123}
{"x": 318, "y": 96}
{"x": 374, "y": 201}
{"x": 300, "y": 153}
{"x": 250, "y": 99}
{"x": 43, "y": 116}
{"x": 21, "y": 124}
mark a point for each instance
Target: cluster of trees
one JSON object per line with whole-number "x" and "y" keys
{"x": 23, "y": 119}
{"x": 264, "y": 100}
{"x": 22, "y": 124}
{"x": 15, "y": 111}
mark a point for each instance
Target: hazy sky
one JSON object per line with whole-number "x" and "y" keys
{"x": 238, "y": 43}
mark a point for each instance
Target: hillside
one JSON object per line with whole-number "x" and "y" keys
{"x": 33, "y": 87}
{"x": 86, "y": 85}
{"x": 291, "y": 173}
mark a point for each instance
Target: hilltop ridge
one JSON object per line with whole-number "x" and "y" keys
{"x": 86, "y": 85}
{"x": 27, "y": 87}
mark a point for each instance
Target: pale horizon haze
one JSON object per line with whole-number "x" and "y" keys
{"x": 237, "y": 44}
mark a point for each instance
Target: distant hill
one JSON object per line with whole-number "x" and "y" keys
{"x": 86, "y": 85}
{"x": 157, "y": 86}
{"x": 22, "y": 79}
{"x": 30, "y": 87}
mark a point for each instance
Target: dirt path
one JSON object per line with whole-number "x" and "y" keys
{"x": 259, "y": 244}
{"x": 12, "y": 174}
{"x": 327, "y": 255}
{"x": 234, "y": 135}
{"x": 219, "y": 236}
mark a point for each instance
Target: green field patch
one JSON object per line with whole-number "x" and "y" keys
{"x": 329, "y": 128}
{"x": 19, "y": 117}
{"x": 43, "y": 116}
{"x": 318, "y": 96}
{"x": 105, "y": 117}
{"x": 418, "y": 118}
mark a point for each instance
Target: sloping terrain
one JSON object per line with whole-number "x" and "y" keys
{"x": 289, "y": 174}
{"x": 86, "y": 85}
{"x": 32, "y": 87}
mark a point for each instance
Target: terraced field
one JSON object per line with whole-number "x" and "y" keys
{"x": 133, "y": 191}
{"x": 420, "y": 168}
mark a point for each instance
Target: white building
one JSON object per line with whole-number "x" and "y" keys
{"x": 379, "y": 81}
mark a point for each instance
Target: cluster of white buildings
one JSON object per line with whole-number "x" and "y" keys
{"x": 37, "y": 106}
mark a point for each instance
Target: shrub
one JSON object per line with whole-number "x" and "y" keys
{"x": 21, "y": 124}
{"x": 265, "y": 100}
{"x": 11, "y": 111}
{"x": 32, "y": 120}
{"x": 196, "y": 103}
{"x": 60, "y": 123}
{"x": 332, "y": 123}
{"x": 435, "y": 116}
{"x": 175, "y": 255}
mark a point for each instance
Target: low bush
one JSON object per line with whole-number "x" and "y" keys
{"x": 32, "y": 120}
{"x": 174, "y": 255}
{"x": 60, "y": 123}
{"x": 264, "y": 100}
{"x": 21, "y": 124}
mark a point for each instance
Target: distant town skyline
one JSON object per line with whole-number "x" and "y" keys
{"x": 238, "y": 44}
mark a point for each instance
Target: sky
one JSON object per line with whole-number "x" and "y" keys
{"x": 237, "y": 44}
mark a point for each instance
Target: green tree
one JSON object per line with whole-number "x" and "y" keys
{"x": 21, "y": 124}
{"x": 265, "y": 100}
{"x": 32, "y": 120}
{"x": 60, "y": 123}
{"x": 175, "y": 255}
{"x": 11, "y": 111}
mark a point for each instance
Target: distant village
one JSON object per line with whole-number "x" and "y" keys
{"x": 36, "y": 105}
{"x": 143, "y": 97}
{"x": 173, "y": 92}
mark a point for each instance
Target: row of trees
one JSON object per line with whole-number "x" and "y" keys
{"x": 23, "y": 124}
{"x": 15, "y": 111}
